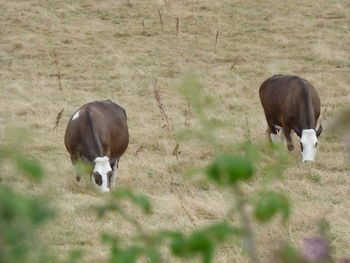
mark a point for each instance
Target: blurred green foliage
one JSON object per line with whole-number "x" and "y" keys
{"x": 30, "y": 167}
{"x": 21, "y": 215}
{"x": 124, "y": 194}
{"x": 25, "y": 165}
{"x": 202, "y": 242}
{"x": 269, "y": 204}
{"x": 233, "y": 166}
{"x": 228, "y": 170}
{"x": 20, "y": 218}
{"x": 288, "y": 254}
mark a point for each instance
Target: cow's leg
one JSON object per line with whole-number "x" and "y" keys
{"x": 288, "y": 135}
{"x": 77, "y": 174}
{"x": 114, "y": 165}
{"x": 272, "y": 133}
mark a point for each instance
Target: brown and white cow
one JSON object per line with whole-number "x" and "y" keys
{"x": 97, "y": 133}
{"x": 292, "y": 104}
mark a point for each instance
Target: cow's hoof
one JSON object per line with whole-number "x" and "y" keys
{"x": 105, "y": 190}
{"x": 290, "y": 147}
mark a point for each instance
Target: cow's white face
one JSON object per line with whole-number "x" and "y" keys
{"x": 102, "y": 173}
{"x": 308, "y": 143}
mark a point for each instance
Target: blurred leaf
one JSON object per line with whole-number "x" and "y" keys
{"x": 152, "y": 254}
{"x": 324, "y": 227}
{"x": 107, "y": 238}
{"x": 30, "y": 167}
{"x": 288, "y": 254}
{"x": 101, "y": 210}
{"x": 202, "y": 242}
{"x": 74, "y": 256}
{"x": 132, "y": 253}
{"x": 83, "y": 168}
{"x": 177, "y": 243}
{"x": 271, "y": 203}
{"x": 252, "y": 151}
{"x": 13, "y": 205}
{"x": 191, "y": 90}
{"x": 20, "y": 217}
{"x": 123, "y": 256}
{"x": 228, "y": 170}
{"x": 221, "y": 231}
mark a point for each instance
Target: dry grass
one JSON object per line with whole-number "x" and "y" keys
{"x": 116, "y": 49}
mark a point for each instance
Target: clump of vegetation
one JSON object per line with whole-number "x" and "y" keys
{"x": 227, "y": 170}
{"x": 231, "y": 168}
{"x": 20, "y": 218}
{"x": 21, "y": 215}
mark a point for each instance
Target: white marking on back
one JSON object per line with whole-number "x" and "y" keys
{"x": 308, "y": 140}
{"x": 76, "y": 115}
{"x": 102, "y": 166}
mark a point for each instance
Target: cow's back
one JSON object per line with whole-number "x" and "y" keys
{"x": 284, "y": 96}
{"x": 110, "y": 124}
{"x": 278, "y": 89}
{"x": 100, "y": 120}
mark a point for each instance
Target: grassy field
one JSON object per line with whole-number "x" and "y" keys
{"x": 112, "y": 49}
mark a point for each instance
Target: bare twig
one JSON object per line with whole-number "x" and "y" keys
{"x": 176, "y": 151}
{"x": 177, "y": 26}
{"x": 187, "y": 213}
{"x": 235, "y": 61}
{"x": 247, "y": 135}
{"x": 160, "y": 18}
{"x": 216, "y": 37}
{"x": 58, "y": 118}
{"x": 175, "y": 191}
{"x": 188, "y": 114}
{"x": 249, "y": 241}
{"x": 138, "y": 150}
{"x": 58, "y": 73}
{"x": 160, "y": 105}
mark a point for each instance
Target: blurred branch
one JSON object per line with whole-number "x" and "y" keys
{"x": 248, "y": 240}
{"x": 133, "y": 221}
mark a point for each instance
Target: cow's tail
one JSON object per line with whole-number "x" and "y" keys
{"x": 96, "y": 139}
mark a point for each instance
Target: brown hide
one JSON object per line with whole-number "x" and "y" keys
{"x": 290, "y": 102}
{"x": 100, "y": 130}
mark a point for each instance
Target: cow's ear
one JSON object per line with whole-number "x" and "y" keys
{"x": 319, "y": 131}
{"x": 298, "y": 132}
